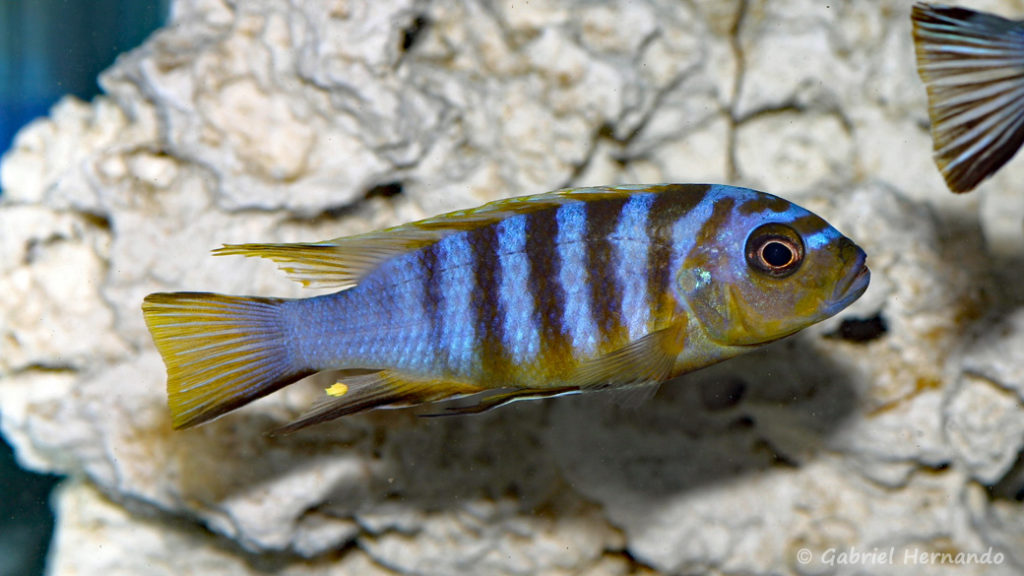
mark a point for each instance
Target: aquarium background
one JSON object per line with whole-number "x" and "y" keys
{"x": 49, "y": 49}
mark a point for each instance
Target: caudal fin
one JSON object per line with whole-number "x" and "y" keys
{"x": 973, "y": 66}
{"x": 221, "y": 351}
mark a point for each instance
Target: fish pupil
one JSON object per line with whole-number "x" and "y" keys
{"x": 776, "y": 254}
{"x": 775, "y": 249}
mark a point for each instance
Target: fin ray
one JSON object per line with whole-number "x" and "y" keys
{"x": 647, "y": 360}
{"x": 210, "y": 372}
{"x": 635, "y": 395}
{"x": 367, "y": 391}
{"x": 972, "y": 64}
{"x": 342, "y": 262}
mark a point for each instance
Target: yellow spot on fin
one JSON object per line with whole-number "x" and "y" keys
{"x": 221, "y": 351}
{"x": 337, "y": 390}
{"x": 384, "y": 388}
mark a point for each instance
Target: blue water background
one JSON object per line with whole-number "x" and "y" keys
{"x": 49, "y": 48}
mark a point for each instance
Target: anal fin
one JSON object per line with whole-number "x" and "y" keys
{"x": 366, "y": 391}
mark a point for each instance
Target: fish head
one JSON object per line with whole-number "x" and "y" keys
{"x": 767, "y": 273}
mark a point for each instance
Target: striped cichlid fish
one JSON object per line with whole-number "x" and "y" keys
{"x": 972, "y": 64}
{"x": 585, "y": 289}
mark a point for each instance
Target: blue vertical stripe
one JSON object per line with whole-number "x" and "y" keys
{"x": 516, "y": 304}
{"x": 632, "y": 245}
{"x": 684, "y": 231}
{"x": 456, "y": 286}
{"x": 573, "y": 277}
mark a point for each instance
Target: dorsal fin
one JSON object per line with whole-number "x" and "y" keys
{"x": 343, "y": 262}
{"x": 339, "y": 263}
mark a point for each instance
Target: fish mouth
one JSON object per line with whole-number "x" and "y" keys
{"x": 852, "y": 285}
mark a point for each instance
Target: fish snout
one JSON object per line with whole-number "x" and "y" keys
{"x": 856, "y": 279}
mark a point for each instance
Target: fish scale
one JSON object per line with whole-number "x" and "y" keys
{"x": 605, "y": 294}
{"x": 531, "y": 297}
{"x": 631, "y": 244}
{"x": 492, "y": 354}
{"x": 548, "y": 270}
{"x": 517, "y": 333}
{"x": 573, "y": 278}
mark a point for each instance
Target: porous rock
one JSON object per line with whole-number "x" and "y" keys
{"x": 893, "y": 426}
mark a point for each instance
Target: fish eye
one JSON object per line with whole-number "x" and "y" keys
{"x": 775, "y": 250}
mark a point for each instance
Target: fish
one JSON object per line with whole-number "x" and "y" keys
{"x": 972, "y": 64}
{"x": 578, "y": 290}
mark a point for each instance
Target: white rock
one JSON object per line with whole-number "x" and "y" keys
{"x": 985, "y": 425}
{"x": 793, "y": 151}
{"x": 267, "y": 120}
{"x": 97, "y": 536}
{"x": 992, "y": 355}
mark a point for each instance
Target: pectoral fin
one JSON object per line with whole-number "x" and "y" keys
{"x": 635, "y": 395}
{"x": 631, "y": 374}
{"x": 648, "y": 360}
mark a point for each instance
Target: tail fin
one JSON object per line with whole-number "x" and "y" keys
{"x": 973, "y": 66}
{"x": 221, "y": 352}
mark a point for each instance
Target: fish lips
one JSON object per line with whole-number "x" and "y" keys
{"x": 852, "y": 285}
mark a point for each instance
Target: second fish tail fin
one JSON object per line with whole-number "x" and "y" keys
{"x": 972, "y": 64}
{"x": 221, "y": 352}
